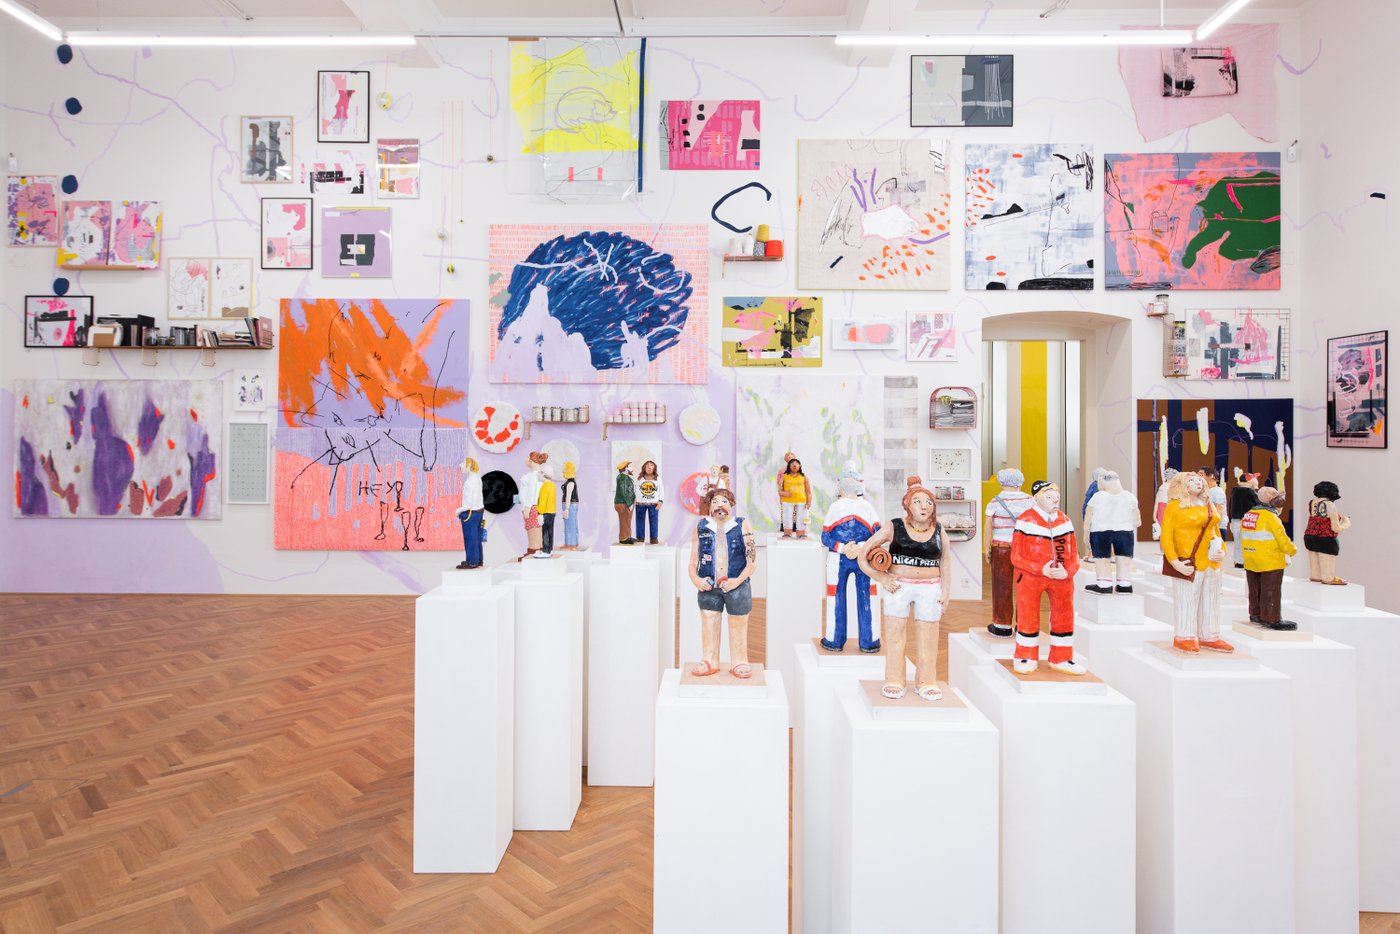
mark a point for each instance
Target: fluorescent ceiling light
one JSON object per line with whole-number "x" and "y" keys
{"x": 353, "y": 39}
{"x": 1125, "y": 37}
{"x": 28, "y": 18}
{"x": 1219, "y": 18}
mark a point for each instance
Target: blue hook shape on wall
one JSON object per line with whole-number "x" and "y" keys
{"x": 714, "y": 211}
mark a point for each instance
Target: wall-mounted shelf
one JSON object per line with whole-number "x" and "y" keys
{"x": 92, "y": 355}
{"x": 613, "y": 421}
{"x": 740, "y": 258}
{"x": 952, "y": 407}
{"x": 960, "y": 535}
{"x": 529, "y": 422}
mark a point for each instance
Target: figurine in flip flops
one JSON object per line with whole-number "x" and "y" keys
{"x": 1325, "y": 521}
{"x": 722, "y": 561}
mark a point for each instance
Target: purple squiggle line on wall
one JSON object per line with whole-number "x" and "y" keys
{"x": 1298, "y": 71}
{"x": 395, "y": 568}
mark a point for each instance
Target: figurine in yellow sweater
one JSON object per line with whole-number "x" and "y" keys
{"x": 794, "y": 498}
{"x": 1192, "y": 545}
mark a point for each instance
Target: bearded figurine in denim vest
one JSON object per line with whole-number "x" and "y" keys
{"x": 722, "y": 561}
{"x": 906, "y": 559}
{"x": 1325, "y": 521}
{"x": 1192, "y": 549}
{"x": 1045, "y": 556}
{"x": 850, "y": 522}
{"x": 1001, "y": 515}
{"x": 1112, "y": 518}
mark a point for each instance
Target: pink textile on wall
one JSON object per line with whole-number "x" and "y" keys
{"x": 1255, "y": 107}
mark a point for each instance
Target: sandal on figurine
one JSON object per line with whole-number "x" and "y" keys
{"x": 705, "y": 671}
{"x": 1186, "y": 645}
{"x": 872, "y": 648}
{"x": 1024, "y": 666}
{"x": 1217, "y": 645}
{"x": 930, "y": 692}
{"x": 1070, "y": 667}
{"x": 832, "y": 646}
{"x": 742, "y": 670}
{"x": 893, "y": 691}
{"x": 1334, "y": 582}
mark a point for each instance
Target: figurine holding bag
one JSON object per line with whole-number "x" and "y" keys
{"x": 1169, "y": 570}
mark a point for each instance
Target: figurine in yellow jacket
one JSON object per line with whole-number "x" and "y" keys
{"x": 1266, "y": 549}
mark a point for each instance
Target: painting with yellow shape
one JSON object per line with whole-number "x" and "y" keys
{"x": 584, "y": 99}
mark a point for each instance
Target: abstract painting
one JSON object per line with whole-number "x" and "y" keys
{"x": 135, "y": 235}
{"x": 498, "y": 427}
{"x": 249, "y": 390}
{"x": 872, "y": 214}
{"x": 128, "y": 449}
{"x": 265, "y": 149}
{"x": 573, "y": 304}
{"x": 1192, "y": 221}
{"x": 85, "y": 239}
{"x": 342, "y": 107}
{"x": 287, "y": 226}
{"x": 961, "y": 90}
{"x": 231, "y": 289}
{"x": 356, "y": 243}
{"x": 209, "y": 287}
{"x": 187, "y": 288}
{"x": 373, "y": 363}
{"x": 56, "y": 320}
{"x": 810, "y": 414}
{"x": 1224, "y": 436}
{"x": 1210, "y": 71}
{"x": 1030, "y": 216}
{"x": 1356, "y": 390}
{"x": 335, "y": 172}
{"x": 31, "y": 210}
{"x": 716, "y": 134}
{"x": 1237, "y": 343}
{"x": 397, "y": 161}
{"x": 355, "y": 489}
{"x": 772, "y": 331}
{"x": 577, "y": 107}
{"x": 867, "y": 332}
{"x": 932, "y": 337}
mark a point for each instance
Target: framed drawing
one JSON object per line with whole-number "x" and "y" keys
{"x": 950, "y": 463}
{"x": 356, "y": 242}
{"x": 246, "y": 466}
{"x": 931, "y": 336}
{"x": 57, "y": 320}
{"x": 1356, "y": 390}
{"x": 265, "y": 149}
{"x": 209, "y": 287}
{"x": 961, "y": 90}
{"x": 287, "y": 230}
{"x": 342, "y": 107}
{"x": 867, "y": 332}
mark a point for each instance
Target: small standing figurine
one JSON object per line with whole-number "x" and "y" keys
{"x": 568, "y": 506}
{"x": 795, "y": 497}
{"x": 1002, "y": 512}
{"x": 1112, "y": 519}
{"x": 1191, "y": 545}
{"x": 724, "y": 552}
{"x": 916, "y": 545}
{"x": 472, "y": 512}
{"x": 529, "y": 500}
{"x": 1095, "y": 479}
{"x": 548, "y": 507}
{"x": 650, "y": 494}
{"x": 1159, "y": 502}
{"x": 1243, "y": 498}
{"x": 1267, "y": 549}
{"x": 1325, "y": 520}
{"x": 624, "y": 495}
{"x": 1043, "y": 550}
{"x": 850, "y": 522}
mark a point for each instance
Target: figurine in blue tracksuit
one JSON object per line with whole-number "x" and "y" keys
{"x": 850, "y": 522}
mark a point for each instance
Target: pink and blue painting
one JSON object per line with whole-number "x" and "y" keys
{"x": 572, "y": 304}
{"x": 124, "y": 449}
{"x": 714, "y": 134}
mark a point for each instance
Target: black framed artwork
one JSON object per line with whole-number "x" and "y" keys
{"x": 342, "y": 107}
{"x": 961, "y": 90}
{"x": 52, "y": 321}
{"x": 1356, "y": 390}
{"x": 288, "y": 233}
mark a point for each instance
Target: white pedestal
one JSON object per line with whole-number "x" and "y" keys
{"x": 665, "y": 558}
{"x": 1068, "y": 799}
{"x": 796, "y": 585}
{"x": 1104, "y": 643}
{"x": 579, "y": 562}
{"x": 820, "y": 676}
{"x": 688, "y": 610}
{"x": 1215, "y": 798}
{"x": 1376, "y": 637}
{"x": 463, "y": 729}
{"x": 1117, "y": 609}
{"x": 622, "y": 673}
{"x": 548, "y": 700}
{"x": 1328, "y": 597}
{"x": 721, "y": 806}
{"x": 915, "y": 823}
{"x": 542, "y": 569}
{"x": 1322, "y": 677}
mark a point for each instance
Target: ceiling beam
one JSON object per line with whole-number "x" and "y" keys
{"x": 877, "y": 16}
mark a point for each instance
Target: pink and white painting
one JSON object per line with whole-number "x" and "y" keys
{"x": 286, "y": 233}
{"x": 86, "y": 237}
{"x": 135, "y": 235}
{"x": 713, "y": 134}
{"x": 31, "y": 210}
{"x": 398, "y": 168}
{"x": 931, "y": 337}
{"x": 1237, "y": 343}
{"x": 342, "y": 107}
{"x": 56, "y": 320}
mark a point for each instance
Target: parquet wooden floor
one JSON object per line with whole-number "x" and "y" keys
{"x": 244, "y": 764}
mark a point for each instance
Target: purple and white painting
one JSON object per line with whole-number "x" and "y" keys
{"x": 356, "y": 243}
{"x": 125, "y": 449}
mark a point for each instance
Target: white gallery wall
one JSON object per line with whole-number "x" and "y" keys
{"x": 162, "y": 124}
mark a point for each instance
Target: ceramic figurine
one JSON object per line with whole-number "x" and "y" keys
{"x": 1191, "y": 547}
{"x": 912, "y": 548}
{"x": 472, "y": 514}
{"x": 568, "y": 507}
{"x": 1159, "y": 502}
{"x": 548, "y": 508}
{"x": 1002, "y": 512}
{"x": 1215, "y": 492}
{"x": 624, "y": 495}
{"x": 1095, "y": 478}
{"x": 650, "y": 493}
{"x": 795, "y": 498}
{"x": 1325, "y": 520}
{"x": 723, "y": 553}
{"x": 1243, "y": 498}
{"x": 1044, "y": 553}
{"x": 529, "y": 500}
{"x": 1266, "y": 548}
{"x": 1112, "y": 519}
{"x": 850, "y": 522}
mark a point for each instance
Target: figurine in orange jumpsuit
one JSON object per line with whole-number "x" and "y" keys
{"x": 1045, "y": 557}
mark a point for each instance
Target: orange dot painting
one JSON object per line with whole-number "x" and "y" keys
{"x": 498, "y": 427}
